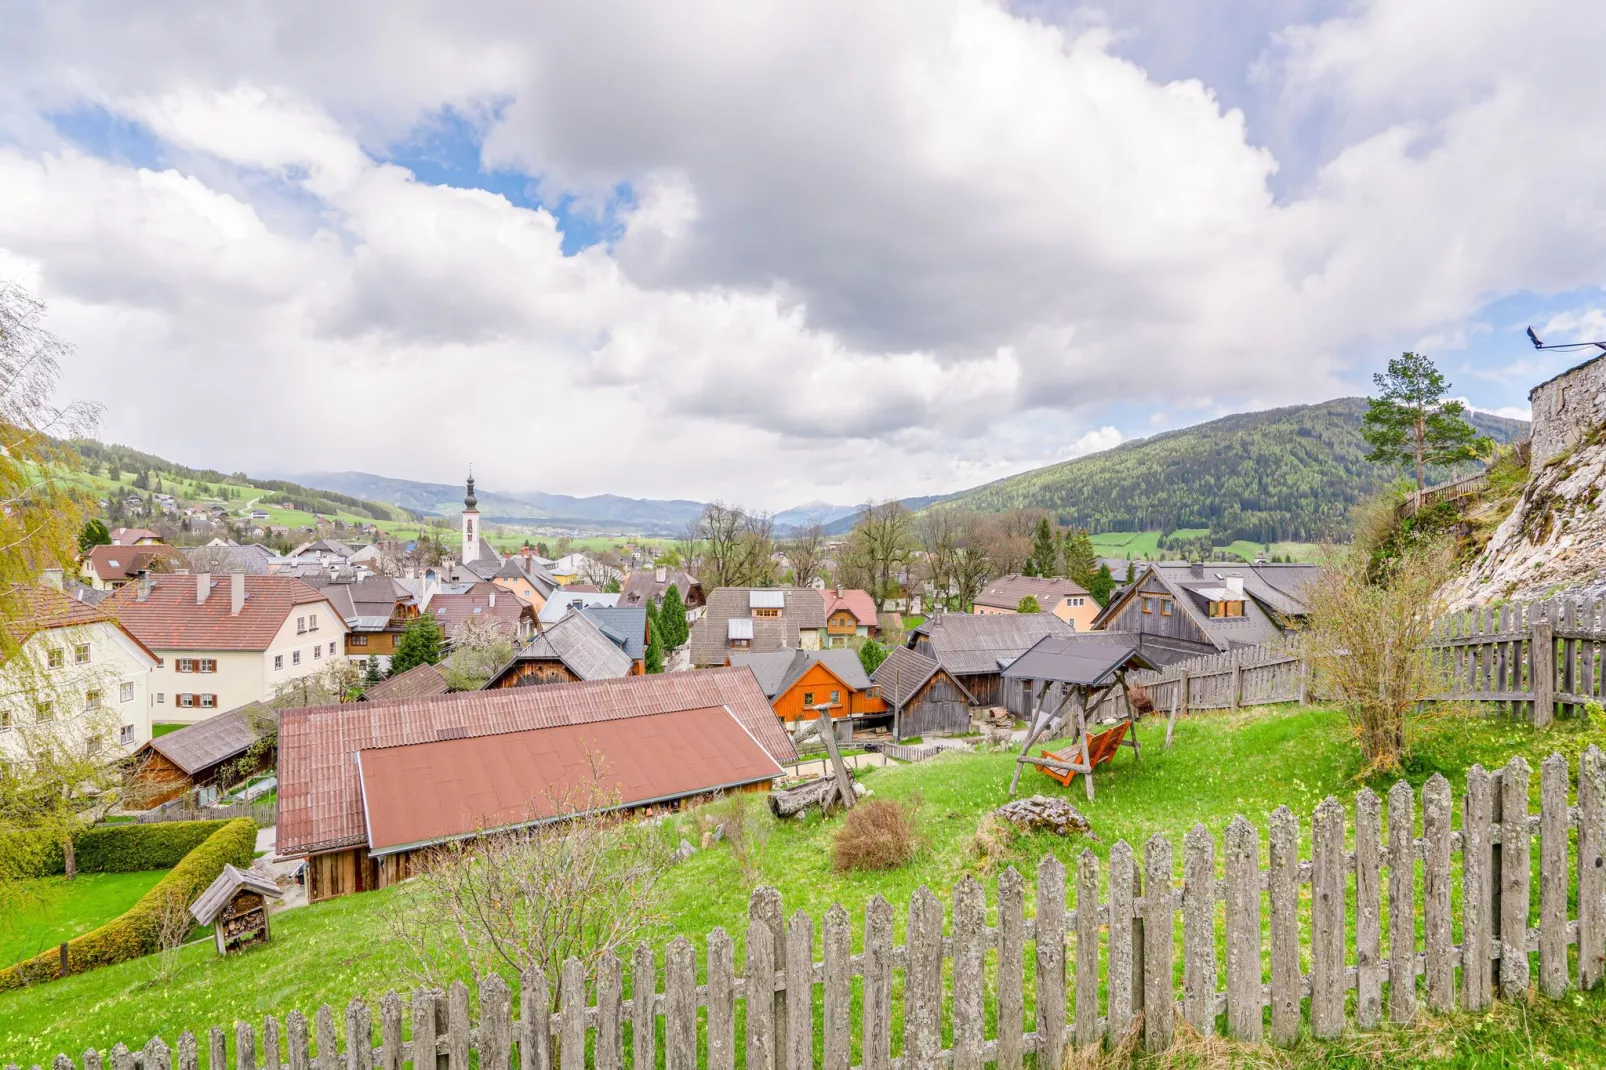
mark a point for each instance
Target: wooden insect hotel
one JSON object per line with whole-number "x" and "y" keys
{"x": 236, "y": 906}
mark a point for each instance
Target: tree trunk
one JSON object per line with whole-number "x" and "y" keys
{"x": 69, "y": 858}
{"x": 790, "y": 801}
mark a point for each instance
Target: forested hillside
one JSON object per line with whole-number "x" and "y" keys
{"x": 1282, "y": 474}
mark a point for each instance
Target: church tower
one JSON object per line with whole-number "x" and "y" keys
{"x": 471, "y": 523}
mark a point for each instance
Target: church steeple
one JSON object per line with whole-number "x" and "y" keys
{"x": 471, "y": 528}
{"x": 469, "y": 501}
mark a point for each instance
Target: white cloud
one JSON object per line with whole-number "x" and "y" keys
{"x": 865, "y": 242}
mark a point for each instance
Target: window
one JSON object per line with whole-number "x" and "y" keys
{"x": 741, "y": 642}
{"x": 301, "y": 625}
{"x": 1226, "y": 609}
{"x": 184, "y": 665}
{"x": 1148, "y": 604}
{"x": 55, "y": 659}
{"x": 808, "y": 698}
{"x": 278, "y": 661}
{"x": 5, "y": 720}
{"x": 317, "y": 652}
{"x": 1076, "y": 601}
{"x": 125, "y": 692}
{"x": 766, "y": 613}
{"x": 836, "y": 698}
{"x": 186, "y": 700}
{"x": 359, "y": 640}
{"x": 207, "y": 665}
{"x": 80, "y": 654}
{"x": 295, "y": 657}
{"x": 161, "y": 698}
{"x": 331, "y": 649}
{"x": 126, "y": 736}
{"x": 208, "y": 701}
{"x": 312, "y": 622}
{"x": 1165, "y": 607}
{"x": 43, "y": 712}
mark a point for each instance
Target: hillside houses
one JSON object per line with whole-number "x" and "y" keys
{"x": 1064, "y": 598}
{"x": 647, "y": 587}
{"x": 761, "y": 620}
{"x": 1180, "y": 610}
{"x": 799, "y": 683}
{"x": 975, "y": 650}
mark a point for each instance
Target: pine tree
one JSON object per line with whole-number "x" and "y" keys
{"x": 371, "y": 674}
{"x": 1045, "y": 551}
{"x": 1102, "y": 585}
{"x": 93, "y": 534}
{"x": 1081, "y": 562}
{"x": 871, "y": 655}
{"x": 1131, "y": 571}
{"x": 672, "y": 615}
{"x": 1411, "y": 424}
{"x": 420, "y": 645}
{"x": 1028, "y": 604}
{"x": 655, "y": 646}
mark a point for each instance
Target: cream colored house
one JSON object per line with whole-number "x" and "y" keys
{"x": 78, "y": 674}
{"x": 227, "y": 640}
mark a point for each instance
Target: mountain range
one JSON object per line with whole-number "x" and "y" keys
{"x": 1287, "y": 474}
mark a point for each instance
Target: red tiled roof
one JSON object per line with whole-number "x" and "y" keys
{"x": 130, "y": 536}
{"x": 428, "y": 792}
{"x": 1007, "y": 591}
{"x": 121, "y": 562}
{"x": 320, "y": 798}
{"x": 43, "y": 608}
{"x": 855, "y": 601}
{"x": 170, "y": 619}
{"x": 452, "y": 610}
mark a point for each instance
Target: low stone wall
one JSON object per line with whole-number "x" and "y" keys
{"x": 1567, "y": 408}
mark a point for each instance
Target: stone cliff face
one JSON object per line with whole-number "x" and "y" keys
{"x": 1555, "y": 538}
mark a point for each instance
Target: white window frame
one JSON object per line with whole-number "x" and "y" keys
{"x": 125, "y": 691}
{"x": 81, "y": 654}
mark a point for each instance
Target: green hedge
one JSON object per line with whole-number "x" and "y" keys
{"x": 136, "y": 932}
{"x": 105, "y": 848}
{"x": 129, "y": 848}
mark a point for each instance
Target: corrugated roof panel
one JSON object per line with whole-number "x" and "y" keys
{"x": 739, "y": 628}
{"x": 775, "y": 599}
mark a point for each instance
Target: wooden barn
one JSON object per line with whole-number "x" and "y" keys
{"x": 976, "y": 649}
{"x": 364, "y": 788}
{"x": 204, "y": 755}
{"x": 578, "y": 647}
{"x": 925, "y": 698}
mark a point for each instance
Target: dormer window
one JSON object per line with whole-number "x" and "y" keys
{"x": 769, "y": 604}
{"x": 1227, "y": 609}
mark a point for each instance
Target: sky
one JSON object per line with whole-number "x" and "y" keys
{"x": 771, "y": 253}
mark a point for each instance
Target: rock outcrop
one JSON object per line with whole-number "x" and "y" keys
{"x": 1042, "y": 813}
{"x": 1553, "y": 540}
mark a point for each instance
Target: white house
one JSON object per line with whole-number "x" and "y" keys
{"x": 77, "y": 673}
{"x": 227, "y": 640}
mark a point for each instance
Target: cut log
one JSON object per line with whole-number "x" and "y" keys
{"x": 821, "y": 792}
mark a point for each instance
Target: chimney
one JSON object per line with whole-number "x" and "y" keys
{"x": 660, "y": 574}
{"x": 839, "y": 590}
{"x": 236, "y": 591}
{"x": 51, "y": 577}
{"x": 493, "y": 598}
{"x": 1196, "y": 568}
{"x": 145, "y": 583}
{"x": 1235, "y": 588}
{"x": 203, "y": 587}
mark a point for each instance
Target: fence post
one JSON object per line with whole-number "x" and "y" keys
{"x": 1591, "y": 860}
{"x": 765, "y": 905}
{"x": 535, "y": 1022}
{"x": 1284, "y": 884}
{"x": 1159, "y": 931}
{"x": 721, "y": 1002}
{"x": 1475, "y": 892}
{"x": 1402, "y": 903}
{"x": 680, "y": 1001}
{"x": 800, "y": 996}
{"x": 154, "y": 1056}
{"x": 1553, "y": 876}
{"x": 643, "y": 1018}
{"x": 970, "y": 919}
{"x": 1542, "y": 666}
{"x": 837, "y": 1021}
{"x": 270, "y": 1043}
{"x": 323, "y": 1025}
{"x": 390, "y": 1035}
{"x": 1514, "y": 877}
{"x": 1049, "y": 938}
{"x": 1199, "y": 929}
{"x": 1368, "y": 909}
{"x": 496, "y": 1025}
{"x": 217, "y": 1056}
{"x": 1327, "y": 920}
{"x": 1123, "y": 984}
{"x": 877, "y": 1042}
{"x": 296, "y": 1040}
{"x": 610, "y": 1043}
{"x": 1436, "y": 892}
{"x": 922, "y": 989}
{"x": 1237, "y": 676}
{"x": 1243, "y": 930}
{"x": 760, "y": 1002}
{"x": 245, "y": 1047}
{"x": 1087, "y": 949}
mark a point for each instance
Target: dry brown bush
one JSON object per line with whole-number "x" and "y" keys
{"x": 878, "y": 834}
{"x": 994, "y": 842}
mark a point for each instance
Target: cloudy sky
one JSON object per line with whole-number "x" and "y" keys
{"x": 773, "y": 252}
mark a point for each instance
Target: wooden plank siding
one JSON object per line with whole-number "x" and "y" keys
{"x": 938, "y": 708}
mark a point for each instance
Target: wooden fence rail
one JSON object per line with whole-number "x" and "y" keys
{"x": 1129, "y": 912}
{"x": 264, "y": 814}
{"x": 1535, "y": 661}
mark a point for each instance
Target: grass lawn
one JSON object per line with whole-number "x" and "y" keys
{"x": 163, "y": 728}
{"x": 1143, "y": 545}
{"x": 53, "y": 909}
{"x": 1222, "y": 764}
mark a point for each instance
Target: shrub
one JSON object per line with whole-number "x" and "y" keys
{"x": 30, "y": 853}
{"x": 138, "y": 931}
{"x": 128, "y": 848}
{"x": 878, "y": 834}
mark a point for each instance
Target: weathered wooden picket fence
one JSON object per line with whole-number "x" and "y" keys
{"x": 263, "y": 813}
{"x": 1247, "y": 676}
{"x": 1136, "y": 932}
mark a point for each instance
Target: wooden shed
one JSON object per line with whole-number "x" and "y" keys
{"x": 236, "y": 906}
{"x": 926, "y": 699}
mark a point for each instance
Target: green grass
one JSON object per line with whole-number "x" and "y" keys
{"x": 50, "y": 910}
{"x": 162, "y": 729}
{"x": 1220, "y": 765}
{"x": 1145, "y": 545}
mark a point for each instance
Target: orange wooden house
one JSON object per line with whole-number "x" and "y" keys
{"x": 797, "y": 682}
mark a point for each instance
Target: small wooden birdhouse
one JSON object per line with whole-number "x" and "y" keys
{"x": 236, "y": 906}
